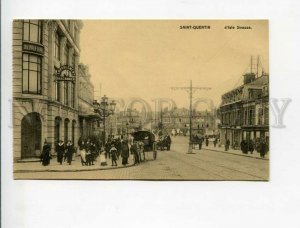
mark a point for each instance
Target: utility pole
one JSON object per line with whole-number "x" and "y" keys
{"x": 191, "y": 90}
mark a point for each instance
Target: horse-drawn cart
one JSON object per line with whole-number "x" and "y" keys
{"x": 146, "y": 139}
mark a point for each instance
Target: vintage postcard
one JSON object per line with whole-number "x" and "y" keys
{"x": 141, "y": 99}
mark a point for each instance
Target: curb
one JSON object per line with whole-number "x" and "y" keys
{"x": 72, "y": 170}
{"x": 243, "y": 155}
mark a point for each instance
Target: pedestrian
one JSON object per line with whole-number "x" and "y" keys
{"x": 60, "y": 149}
{"x": 70, "y": 150}
{"x": 107, "y": 149}
{"x": 215, "y": 142}
{"x": 168, "y": 142}
{"x": 251, "y": 146}
{"x": 82, "y": 150}
{"x": 200, "y": 143}
{"x": 263, "y": 148}
{"x": 140, "y": 149}
{"x": 113, "y": 155}
{"x": 206, "y": 141}
{"x": 124, "y": 152}
{"x": 227, "y": 144}
{"x": 134, "y": 151}
{"x": 46, "y": 156}
{"x": 244, "y": 147}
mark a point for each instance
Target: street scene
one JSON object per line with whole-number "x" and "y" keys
{"x": 209, "y": 163}
{"x": 141, "y": 100}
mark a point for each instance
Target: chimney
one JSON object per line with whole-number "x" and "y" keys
{"x": 249, "y": 77}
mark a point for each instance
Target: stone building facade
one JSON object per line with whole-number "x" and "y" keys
{"x": 45, "y": 86}
{"x": 244, "y": 111}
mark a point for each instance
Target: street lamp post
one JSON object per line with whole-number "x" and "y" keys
{"x": 104, "y": 109}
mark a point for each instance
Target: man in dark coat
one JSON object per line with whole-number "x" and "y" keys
{"x": 200, "y": 143}
{"x": 215, "y": 142}
{"x": 134, "y": 151}
{"x": 227, "y": 144}
{"x": 46, "y": 156}
{"x": 60, "y": 149}
{"x": 263, "y": 148}
{"x": 251, "y": 146}
{"x": 168, "y": 141}
{"x": 70, "y": 150}
{"x": 206, "y": 141}
{"x": 244, "y": 147}
{"x": 124, "y": 152}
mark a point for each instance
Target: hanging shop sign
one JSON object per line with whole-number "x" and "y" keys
{"x": 66, "y": 73}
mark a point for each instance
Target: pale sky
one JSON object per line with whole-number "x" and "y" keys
{"x": 144, "y": 58}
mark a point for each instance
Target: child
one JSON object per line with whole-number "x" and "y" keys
{"x": 113, "y": 154}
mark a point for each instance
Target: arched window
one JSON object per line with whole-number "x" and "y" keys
{"x": 66, "y": 130}
{"x": 73, "y": 131}
{"x": 31, "y": 128}
{"x": 57, "y": 124}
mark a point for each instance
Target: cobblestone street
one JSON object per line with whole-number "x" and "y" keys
{"x": 175, "y": 165}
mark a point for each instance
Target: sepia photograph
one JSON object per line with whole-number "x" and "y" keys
{"x": 184, "y": 100}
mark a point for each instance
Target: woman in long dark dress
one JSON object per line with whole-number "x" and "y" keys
{"x": 124, "y": 152}
{"x": 46, "y": 156}
{"x": 70, "y": 151}
{"x": 60, "y": 149}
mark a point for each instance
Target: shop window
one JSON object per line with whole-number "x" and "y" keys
{"x": 32, "y": 31}
{"x": 32, "y": 74}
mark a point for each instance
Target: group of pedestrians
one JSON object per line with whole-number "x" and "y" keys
{"x": 89, "y": 151}
{"x": 248, "y": 146}
{"x": 65, "y": 151}
{"x": 260, "y": 145}
{"x": 113, "y": 149}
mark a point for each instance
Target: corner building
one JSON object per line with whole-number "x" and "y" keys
{"x": 45, "y": 106}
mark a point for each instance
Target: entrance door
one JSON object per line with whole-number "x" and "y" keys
{"x": 31, "y": 133}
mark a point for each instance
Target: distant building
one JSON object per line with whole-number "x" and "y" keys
{"x": 203, "y": 122}
{"x": 244, "y": 111}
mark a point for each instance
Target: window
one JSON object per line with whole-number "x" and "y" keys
{"x": 75, "y": 34}
{"x": 57, "y": 46}
{"x": 72, "y": 95}
{"x": 73, "y": 60}
{"x": 32, "y": 74}
{"x": 66, "y": 130}
{"x": 32, "y": 31}
{"x": 66, "y": 55}
{"x": 66, "y": 93}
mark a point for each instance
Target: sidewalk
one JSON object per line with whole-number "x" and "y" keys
{"x": 54, "y": 166}
{"x": 221, "y": 149}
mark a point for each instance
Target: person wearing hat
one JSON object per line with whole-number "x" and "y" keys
{"x": 124, "y": 152}
{"x": 113, "y": 154}
{"x": 69, "y": 151}
{"x": 46, "y": 156}
{"x": 60, "y": 149}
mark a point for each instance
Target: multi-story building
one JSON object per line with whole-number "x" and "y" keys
{"x": 244, "y": 111}
{"x": 89, "y": 121}
{"x": 45, "y": 84}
